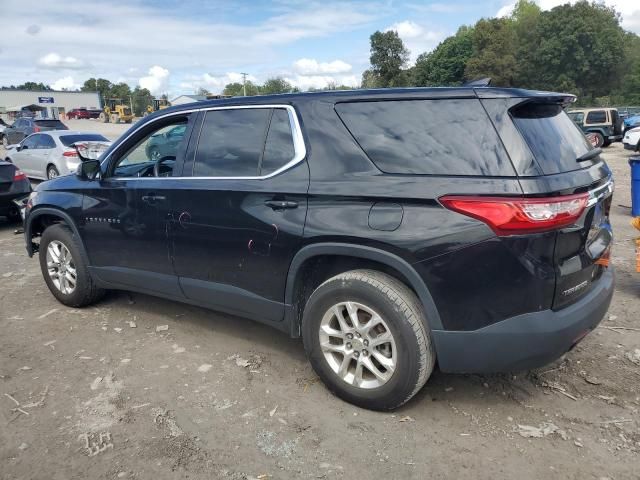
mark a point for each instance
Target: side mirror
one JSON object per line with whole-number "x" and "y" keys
{"x": 22, "y": 147}
{"x": 88, "y": 169}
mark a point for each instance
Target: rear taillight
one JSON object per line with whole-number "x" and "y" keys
{"x": 70, "y": 153}
{"x": 19, "y": 175}
{"x": 516, "y": 216}
{"x": 36, "y": 129}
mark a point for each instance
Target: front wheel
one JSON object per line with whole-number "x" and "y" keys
{"x": 366, "y": 336}
{"x": 65, "y": 269}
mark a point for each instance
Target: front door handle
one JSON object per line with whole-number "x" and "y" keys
{"x": 281, "y": 204}
{"x": 152, "y": 198}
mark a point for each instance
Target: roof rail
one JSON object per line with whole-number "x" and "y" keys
{"x": 478, "y": 82}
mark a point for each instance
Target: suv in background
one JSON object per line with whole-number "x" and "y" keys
{"x": 388, "y": 228}
{"x": 604, "y": 123}
{"x": 23, "y": 127}
{"x": 83, "y": 113}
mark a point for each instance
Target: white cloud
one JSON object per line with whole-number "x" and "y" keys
{"x": 407, "y": 29}
{"x": 65, "y": 83}
{"x": 417, "y": 38}
{"x": 157, "y": 81}
{"x": 310, "y": 66}
{"x": 54, "y": 61}
{"x": 213, "y": 83}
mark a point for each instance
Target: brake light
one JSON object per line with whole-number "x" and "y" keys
{"x": 19, "y": 175}
{"x": 36, "y": 129}
{"x": 70, "y": 153}
{"x": 515, "y": 216}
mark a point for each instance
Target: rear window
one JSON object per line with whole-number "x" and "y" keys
{"x": 599, "y": 116}
{"x": 428, "y": 137}
{"x": 92, "y": 137}
{"x": 50, "y": 123}
{"x": 555, "y": 141}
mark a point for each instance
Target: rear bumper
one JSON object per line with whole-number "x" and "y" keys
{"x": 527, "y": 341}
{"x": 629, "y": 146}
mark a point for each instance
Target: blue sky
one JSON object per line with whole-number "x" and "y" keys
{"x": 176, "y": 47}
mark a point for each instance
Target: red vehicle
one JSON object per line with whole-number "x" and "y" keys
{"x": 82, "y": 113}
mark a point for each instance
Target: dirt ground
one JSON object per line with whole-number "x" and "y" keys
{"x": 139, "y": 387}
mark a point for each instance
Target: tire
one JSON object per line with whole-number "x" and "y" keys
{"x": 115, "y": 118}
{"x": 599, "y": 138}
{"x": 103, "y": 117}
{"x": 410, "y": 354}
{"x": 154, "y": 154}
{"x": 52, "y": 172}
{"x": 85, "y": 291}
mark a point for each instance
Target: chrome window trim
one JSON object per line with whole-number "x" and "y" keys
{"x": 299, "y": 146}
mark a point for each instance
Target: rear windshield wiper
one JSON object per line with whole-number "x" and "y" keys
{"x": 594, "y": 152}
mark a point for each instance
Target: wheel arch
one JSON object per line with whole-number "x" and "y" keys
{"x": 391, "y": 263}
{"x": 40, "y": 218}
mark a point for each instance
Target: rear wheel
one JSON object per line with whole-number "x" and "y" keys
{"x": 366, "y": 336}
{"x": 599, "y": 139}
{"x": 64, "y": 268}
{"x": 52, "y": 172}
{"x": 115, "y": 118}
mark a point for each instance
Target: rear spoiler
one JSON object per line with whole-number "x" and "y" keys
{"x": 526, "y": 95}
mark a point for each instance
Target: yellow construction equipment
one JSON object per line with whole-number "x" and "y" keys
{"x": 158, "y": 104}
{"x": 116, "y": 112}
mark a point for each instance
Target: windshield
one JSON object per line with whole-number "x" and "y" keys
{"x": 89, "y": 137}
{"x": 555, "y": 141}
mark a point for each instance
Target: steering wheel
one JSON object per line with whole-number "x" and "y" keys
{"x": 159, "y": 162}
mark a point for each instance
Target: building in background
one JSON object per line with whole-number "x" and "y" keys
{"x": 54, "y": 104}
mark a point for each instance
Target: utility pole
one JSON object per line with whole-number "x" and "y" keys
{"x": 244, "y": 83}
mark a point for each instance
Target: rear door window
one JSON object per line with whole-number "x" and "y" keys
{"x": 555, "y": 141}
{"x": 597, "y": 116}
{"x": 427, "y": 137}
{"x": 231, "y": 143}
{"x": 46, "y": 142}
{"x": 279, "y": 149}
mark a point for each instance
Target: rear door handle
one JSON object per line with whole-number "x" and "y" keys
{"x": 281, "y": 204}
{"x": 152, "y": 198}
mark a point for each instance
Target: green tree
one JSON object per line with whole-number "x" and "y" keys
{"x": 276, "y": 85}
{"x": 494, "y": 52}
{"x": 446, "y": 64}
{"x": 578, "y": 47}
{"x": 388, "y": 57}
{"x": 33, "y": 87}
{"x": 142, "y": 98}
{"x": 235, "y": 89}
{"x": 203, "y": 91}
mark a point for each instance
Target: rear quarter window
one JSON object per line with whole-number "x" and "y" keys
{"x": 555, "y": 141}
{"x": 427, "y": 137}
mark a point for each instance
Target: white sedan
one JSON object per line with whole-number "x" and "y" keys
{"x": 631, "y": 139}
{"x": 50, "y": 154}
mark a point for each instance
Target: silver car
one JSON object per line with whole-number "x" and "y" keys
{"x": 50, "y": 154}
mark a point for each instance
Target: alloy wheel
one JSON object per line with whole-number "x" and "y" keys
{"x": 61, "y": 267}
{"x": 358, "y": 345}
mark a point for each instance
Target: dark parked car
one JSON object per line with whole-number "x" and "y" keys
{"x": 605, "y": 124}
{"x": 83, "y": 113}
{"x": 13, "y": 185}
{"x": 23, "y": 127}
{"x": 387, "y": 228}
{"x": 165, "y": 144}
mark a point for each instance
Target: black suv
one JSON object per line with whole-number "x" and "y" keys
{"x": 390, "y": 229}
